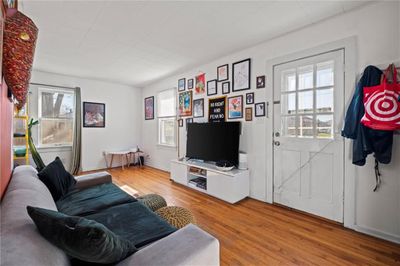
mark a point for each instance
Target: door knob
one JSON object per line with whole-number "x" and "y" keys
{"x": 277, "y": 143}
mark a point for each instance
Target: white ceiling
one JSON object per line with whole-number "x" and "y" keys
{"x": 139, "y": 42}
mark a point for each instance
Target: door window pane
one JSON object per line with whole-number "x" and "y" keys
{"x": 305, "y": 102}
{"x": 325, "y": 100}
{"x": 288, "y": 81}
{"x": 289, "y": 126}
{"x": 288, "y": 103}
{"x": 325, "y": 126}
{"x": 306, "y": 124}
{"x": 325, "y": 74}
{"x": 306, "y": 77}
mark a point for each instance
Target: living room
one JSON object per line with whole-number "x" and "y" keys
{"x": 244, "y": 127}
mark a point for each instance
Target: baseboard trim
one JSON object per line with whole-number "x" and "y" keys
{"x": 376, "y": 233}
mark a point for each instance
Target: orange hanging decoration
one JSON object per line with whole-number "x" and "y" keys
{"x": 20, "y": 34}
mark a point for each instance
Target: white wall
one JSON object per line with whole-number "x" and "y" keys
{"x": 123, "y": 118}
{"x": 377, "y": 31}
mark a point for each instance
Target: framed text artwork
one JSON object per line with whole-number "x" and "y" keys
{"x": 185, "y": 103}
{"x": 217, "y": 109}
{"x": 241, "y": 75}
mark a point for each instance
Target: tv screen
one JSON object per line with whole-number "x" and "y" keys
{"x": 213, "y": 141}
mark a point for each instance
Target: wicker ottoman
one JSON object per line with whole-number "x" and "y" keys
{"x": 152, "y": 201}
{"x": 176, "y": 216}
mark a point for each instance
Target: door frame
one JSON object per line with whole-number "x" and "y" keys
{"x": 350, "y": 57}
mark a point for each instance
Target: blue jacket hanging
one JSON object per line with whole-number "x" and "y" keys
{"x": 366, "y": 140}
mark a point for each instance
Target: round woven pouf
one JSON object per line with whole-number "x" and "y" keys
{"x": 176, "y": 216}
{"x": 152, "y": 201}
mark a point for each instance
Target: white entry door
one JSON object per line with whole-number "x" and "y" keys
{"x": 308, "y": 147}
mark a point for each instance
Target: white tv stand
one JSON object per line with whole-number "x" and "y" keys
{"x": 231, "y": 186}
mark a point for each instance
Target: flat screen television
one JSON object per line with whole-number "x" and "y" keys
{"x": 213, "y": 141}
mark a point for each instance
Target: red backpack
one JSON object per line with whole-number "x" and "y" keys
{"x": 382, "y": 104}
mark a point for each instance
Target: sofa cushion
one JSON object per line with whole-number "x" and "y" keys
{"x": 21, "y": 243}
{"x": 57, "y": 179}
{"x": 81, "y": 238}
{"x": 90, "y": 200}
{"x": 135, "y": 222}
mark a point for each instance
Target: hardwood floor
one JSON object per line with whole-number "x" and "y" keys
{"x": 256, "y": 233}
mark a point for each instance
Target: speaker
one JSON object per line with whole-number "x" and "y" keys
{"x": 242, "y": 161}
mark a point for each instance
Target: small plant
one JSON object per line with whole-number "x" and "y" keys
{"x": 35, "y": 154}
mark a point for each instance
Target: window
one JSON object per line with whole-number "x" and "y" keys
{"x": 307, "y": 101}
{"x": 56, "y": 117}
{"x": 166, "y": 113}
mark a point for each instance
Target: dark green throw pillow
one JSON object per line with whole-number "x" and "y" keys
{"x": 57, "y": 179}
{"x": 80, "y": 238}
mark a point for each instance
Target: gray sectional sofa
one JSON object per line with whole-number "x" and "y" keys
{"x": 21, "y": 243}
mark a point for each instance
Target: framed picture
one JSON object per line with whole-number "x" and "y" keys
{"x": 94, "y": 114}
{"x": 250, "y": 98}
{"x": 241, "y": 75}
{"x": 180, "y": 122}
{"x": 200, "y": 84}
{"x": 248, "y": 114}
{"x": 149, "y": 108}
{"x": 188, "y": 121}
{"x": 260, "y": 109}
{"x": 212, "y": 87}
{"x": 235, "y": 107}
{"x": 226, "y": 87}
{"x": 198, "y": 108}
{"x": 260, "y": 82}
{"x": 223, "y": 72}
{"x": 185, "y": 103}
{"x": 190, "y": 84}
{"x": 217, "y": 109}
{"x": 181, "y": 84}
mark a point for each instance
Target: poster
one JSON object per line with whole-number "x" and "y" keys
{"x": 200, "y": 84}
{"x": 217, "y": 109}
{"x": 185, "y": 103}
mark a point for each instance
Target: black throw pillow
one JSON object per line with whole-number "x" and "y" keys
{"x": 57, "y": 179}
{"x": 80, "y": 238}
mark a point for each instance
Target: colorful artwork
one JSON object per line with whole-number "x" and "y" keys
{"x": 235, "y": 107}
{"x": 185, "y": 103}
{"x": 149, "y": 108}
{"x": 198, "y": 108}
{"x": 94, "y": 114}
{"x": 200, "y": 84}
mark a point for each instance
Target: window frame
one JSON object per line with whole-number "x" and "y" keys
{"x": 40, "y": 118}
{"x": 167, "y": 117}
